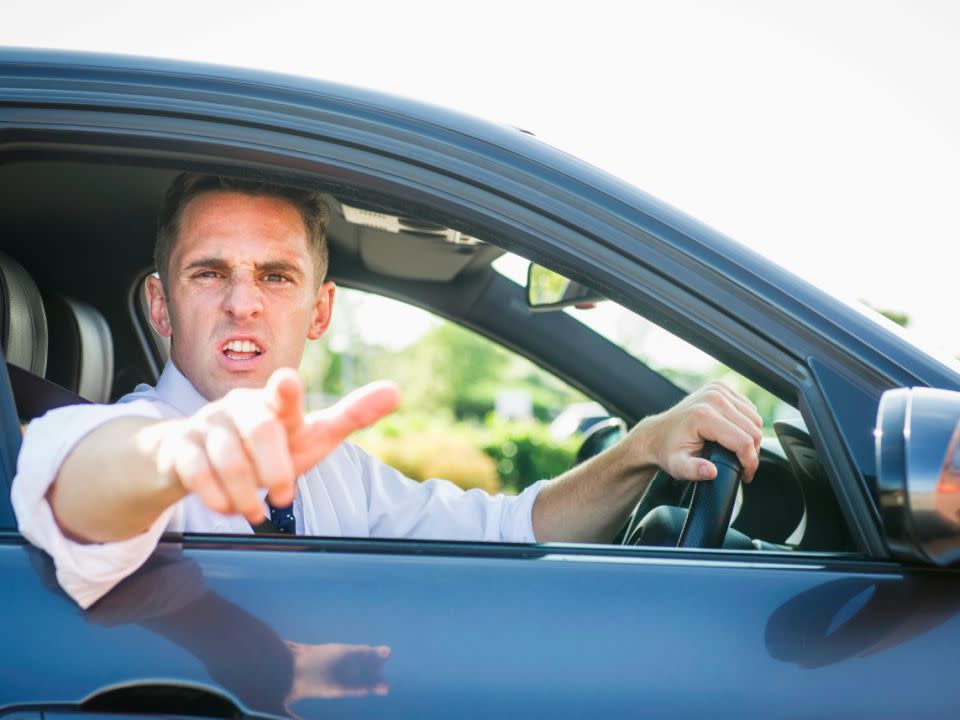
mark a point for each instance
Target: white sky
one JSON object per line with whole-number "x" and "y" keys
{"x": 822, "y": 134}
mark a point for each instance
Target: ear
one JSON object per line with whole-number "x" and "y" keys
{"x": 322, "y": 310}
{"x": 159, "y": 313}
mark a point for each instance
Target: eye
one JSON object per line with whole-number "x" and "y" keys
{"x": 205, "y": 274}
{"x": 277, "y": 278}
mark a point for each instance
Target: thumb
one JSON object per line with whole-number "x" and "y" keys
{"x": 691, "y": 467}
{"x": 323, "y": 430}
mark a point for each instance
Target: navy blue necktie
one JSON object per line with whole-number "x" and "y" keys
{"x": 283, "y": 518}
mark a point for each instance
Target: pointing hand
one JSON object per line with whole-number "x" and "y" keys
{"x": 261, "y": 438}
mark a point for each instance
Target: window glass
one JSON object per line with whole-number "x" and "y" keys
{"x": 472, "y": 411}
{"x": 687, "y": 366}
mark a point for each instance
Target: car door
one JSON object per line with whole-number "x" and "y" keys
{"x": 317, "y": 627}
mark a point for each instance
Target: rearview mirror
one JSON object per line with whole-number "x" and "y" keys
{"x": 549, "y": 290}
{"x": 918, "y": 473}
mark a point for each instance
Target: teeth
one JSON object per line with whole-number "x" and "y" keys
{"x": 242, "y": 346}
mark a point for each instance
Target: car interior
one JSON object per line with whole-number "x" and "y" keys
{"x": 78, "y": 238}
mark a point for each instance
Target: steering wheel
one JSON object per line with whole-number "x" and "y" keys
{"x": 705, "y": 524}
{"x": 712, "y": 502}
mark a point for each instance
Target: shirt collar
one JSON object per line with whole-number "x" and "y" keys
{"x": 178, "y": 392}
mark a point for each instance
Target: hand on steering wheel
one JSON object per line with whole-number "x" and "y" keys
{"x": 658, "y": 521}
{"x": 712, "y": 502}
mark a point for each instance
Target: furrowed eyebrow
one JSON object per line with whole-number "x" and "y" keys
{"x": 222, "y": 266}
{"x": 280, "y": 266}
{"x": 208, "y": 263}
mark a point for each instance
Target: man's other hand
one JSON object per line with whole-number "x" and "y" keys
{"x": 673, "y": 440}
{"x": 253, "y": 439}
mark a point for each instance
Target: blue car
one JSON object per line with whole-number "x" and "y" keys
{"x": 827, "y": 587}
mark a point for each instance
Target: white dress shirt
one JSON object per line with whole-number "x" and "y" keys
{"x": 349, "y": 494}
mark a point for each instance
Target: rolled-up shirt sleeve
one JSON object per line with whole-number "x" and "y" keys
{"x": 439, "y": 510}
{"x": 86, "y": 571}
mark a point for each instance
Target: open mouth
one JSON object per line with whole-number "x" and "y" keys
{"x": 241, "y": 349}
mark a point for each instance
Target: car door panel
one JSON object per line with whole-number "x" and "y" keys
{"x": 532, "y": 630}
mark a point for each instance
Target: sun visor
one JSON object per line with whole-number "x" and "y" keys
{"x": 410, "y": 248}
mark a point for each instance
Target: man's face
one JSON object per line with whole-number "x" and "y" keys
{"x": 241, "y": 297}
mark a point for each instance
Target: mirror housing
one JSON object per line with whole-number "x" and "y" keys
{"x": 602, "y": 435}
{"x": 918, "y": 473}
{"x": 549, "y": 290}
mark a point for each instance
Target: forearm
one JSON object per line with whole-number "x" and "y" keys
{"x": 590, "y": 502}
{"x": 109, "y": 487}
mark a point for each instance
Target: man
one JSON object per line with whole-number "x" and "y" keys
{"x": 240, "y": 289}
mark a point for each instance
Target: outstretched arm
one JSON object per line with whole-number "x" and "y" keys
{"x": 590, "y": 502}
{"x": 118, "y": 480}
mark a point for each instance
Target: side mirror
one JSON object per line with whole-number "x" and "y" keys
{"x": 918, "y": 473}
{"x": 548, "y": 290}
{"x": 601, "y": 436}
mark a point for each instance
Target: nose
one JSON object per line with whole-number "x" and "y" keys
{"x": 243, "y": 299}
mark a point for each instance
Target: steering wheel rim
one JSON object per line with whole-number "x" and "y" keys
{"x": 705, "y": 522}
{"x": 712, "y": 502}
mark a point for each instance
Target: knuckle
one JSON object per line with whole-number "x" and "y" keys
{"x": 233, "y": 466}
{"x": 714, "y": 396}
{"x": 703, "y": 413}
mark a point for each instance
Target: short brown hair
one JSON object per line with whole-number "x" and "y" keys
{"x": 186, "y": 186}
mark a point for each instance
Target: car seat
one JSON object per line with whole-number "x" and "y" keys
{"x": 24, "y": 336}
{"x": 80, "y": 356}
{"x": 23, "y": 321}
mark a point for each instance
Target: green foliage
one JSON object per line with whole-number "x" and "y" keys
{"x": 446, "y": 426}
{"x": 444, "y": 365}
{"x": 514, "y": 453}
{"x": 525, "y": 452}
{"x": 448, "y": 370}
{"x": 438, "y": 453}
{"x": 900, "y": 318}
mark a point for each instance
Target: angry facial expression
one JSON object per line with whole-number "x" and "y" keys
{"x": 242, "y": 295}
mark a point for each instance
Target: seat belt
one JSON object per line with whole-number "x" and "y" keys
{"x": 35, "y": 395}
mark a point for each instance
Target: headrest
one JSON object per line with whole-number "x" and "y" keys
{"x": 81, "y": 348}
{"x": 23, "y": 323}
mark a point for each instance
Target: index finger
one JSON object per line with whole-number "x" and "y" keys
{"x": 323, "y": 430}
{"x": 735, "y": 439}
{"x": 284, "y": 392}
{"x": 735, "y": 413}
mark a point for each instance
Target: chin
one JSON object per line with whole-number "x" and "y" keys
{"x": 247, "y": 380}
{"x": 222, "y": 385}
